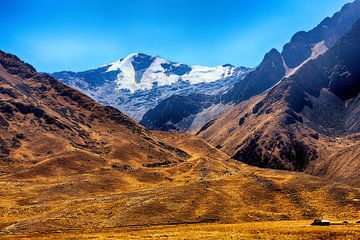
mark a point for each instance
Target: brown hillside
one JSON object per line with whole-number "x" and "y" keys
{"x": 308, "y": 122}
{"x": 43, "y": 122}
{"x": 208, "y": 187}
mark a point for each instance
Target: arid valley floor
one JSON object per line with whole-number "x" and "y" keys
{"x": 206, "y": 197}
{"x": 260, "y": 230}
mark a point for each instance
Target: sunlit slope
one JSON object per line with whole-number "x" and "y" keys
{"x": 307, "y": 122}
{"x": 205, "y": 188}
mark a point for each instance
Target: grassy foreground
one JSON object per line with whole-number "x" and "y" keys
{"x": 78, "y": 196}
{"x": 256, "y": 230}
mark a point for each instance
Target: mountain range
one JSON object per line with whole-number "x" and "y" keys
{"x": 137, "y": 83}
{"x": 203, "y": 146}
{"x": 323, "y": 110}
{"x": 303, "y": 47}
{"x": 70, "y": 166}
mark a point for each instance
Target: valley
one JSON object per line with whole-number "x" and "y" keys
{"x": 209, "y": 187}
{"x": 147, "y": 148}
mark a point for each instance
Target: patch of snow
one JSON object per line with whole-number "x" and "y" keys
{"x": 155, "y": 74}
{"x": 318, "y": 49}
{"x": 287, "y": 69}
{"x": 118, "y": 65}
{"x": 200, "y": 74}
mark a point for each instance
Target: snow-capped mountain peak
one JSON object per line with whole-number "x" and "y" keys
{"x": 136, "y": 83}
{"x": 139, "y": 71}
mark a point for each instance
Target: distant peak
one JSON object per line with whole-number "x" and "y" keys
{"x": 228, "y": 65}
{"x": 143, "y": 55}
{"x": 272, "y": 55}
{"x": 139, "y": 55}
{"x": 274, "y": 51}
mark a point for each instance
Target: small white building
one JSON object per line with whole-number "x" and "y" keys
{"x": 321, "y": 222}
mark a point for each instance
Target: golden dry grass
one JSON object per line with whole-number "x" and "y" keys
{"x": 208, "y": 187}
{"x": 290, "y": 230}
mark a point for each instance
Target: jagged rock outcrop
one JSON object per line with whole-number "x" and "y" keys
{"x": 266, "y": 75}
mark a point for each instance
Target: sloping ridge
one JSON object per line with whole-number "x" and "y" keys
{"x": 42, "y": 120}
{"x": 304, "y": 121}
{"x": 300, "y": 49}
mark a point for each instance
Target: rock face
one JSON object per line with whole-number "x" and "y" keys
{"x": 266, "y": 75}
{"x": 329, "y": 30}
{"x": 43, "y": 120}
{"x": 191, "y": 97}
{"x": 331, "y": 94}
{"x": 176, "y": 112}
{"x": 301, "y": 122}
{"x": 302, "y": 47}
{"x": 139, "y": 82}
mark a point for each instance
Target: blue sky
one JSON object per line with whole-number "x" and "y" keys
{"x": 76, "y": 35}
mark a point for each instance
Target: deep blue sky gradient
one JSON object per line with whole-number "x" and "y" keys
{"x": 56, "y": 35}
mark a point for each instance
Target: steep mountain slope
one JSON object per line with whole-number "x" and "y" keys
{"x": 189, "y": 108}
{"x": 43, "y": 121}
{"x": 270, "y": 71}
{"x": 138, "y": 82}
{"x": 303, "y": 47}
{"x": 308, "y": 122}
{"x": 169, "y": 114}
{"x": 327, "y": 32}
